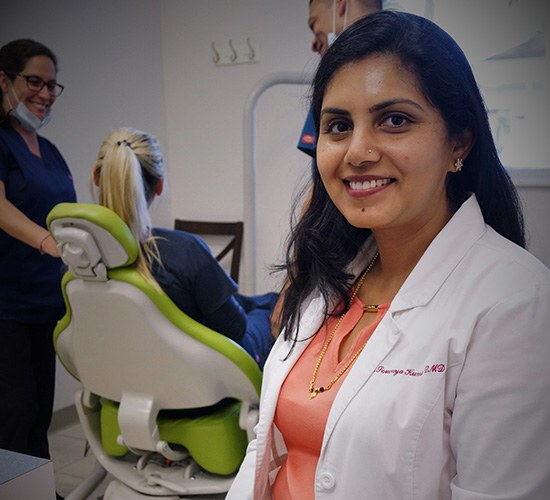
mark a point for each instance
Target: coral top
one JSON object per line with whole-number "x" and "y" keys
{"x": 302, "y": 420}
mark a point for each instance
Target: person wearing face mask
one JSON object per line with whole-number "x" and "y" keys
{"x": 34, "y": 177}
{"x": 327, "y": 19}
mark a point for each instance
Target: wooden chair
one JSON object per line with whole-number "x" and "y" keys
{"x": 232, "y": 229}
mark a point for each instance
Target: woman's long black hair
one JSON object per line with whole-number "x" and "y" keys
{"x": 322, "y": 243}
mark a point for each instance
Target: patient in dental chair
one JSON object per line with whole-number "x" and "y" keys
{"x": 129, "y": 173}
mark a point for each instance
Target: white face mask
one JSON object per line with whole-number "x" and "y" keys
{"x": 27, "y": 120}
{"x": 332, "y": 35}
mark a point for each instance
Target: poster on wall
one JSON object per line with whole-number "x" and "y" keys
{"x": 506, "y": 44}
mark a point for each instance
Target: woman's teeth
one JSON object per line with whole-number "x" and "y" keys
{"x": 363, "y": 185}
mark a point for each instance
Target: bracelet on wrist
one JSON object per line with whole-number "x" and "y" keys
{"x": 42, "y": 243}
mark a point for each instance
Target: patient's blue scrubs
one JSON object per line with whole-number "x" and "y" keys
{"x": 197, "y": 284}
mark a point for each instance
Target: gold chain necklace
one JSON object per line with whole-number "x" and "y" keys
{"x": 313, "y": 391}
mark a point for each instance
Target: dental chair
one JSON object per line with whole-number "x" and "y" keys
{"x": 167, "y": 405}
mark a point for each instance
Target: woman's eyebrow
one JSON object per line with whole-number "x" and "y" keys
{"x": 373, "y": 109}
{"x": 334, "y": 111}
{"x": 391, "y": 102}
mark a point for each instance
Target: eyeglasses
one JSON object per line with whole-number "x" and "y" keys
{"x": 36, "y": 84}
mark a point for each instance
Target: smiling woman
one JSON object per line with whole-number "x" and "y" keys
{"x": 407, "y": 285}
{"x": 33, "y": 179}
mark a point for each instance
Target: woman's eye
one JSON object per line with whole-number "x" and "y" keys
{"x": 337, "y": 127}
{"x": 395, "y": 121}
{"x": 33, "y": 80}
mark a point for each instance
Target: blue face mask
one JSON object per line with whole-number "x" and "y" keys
{"x": 27, "y": 120}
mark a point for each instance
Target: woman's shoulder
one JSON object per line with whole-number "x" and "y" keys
{"x": 181, "y": 239}
{"x": 6, "y": 145}
{"x": 470, "y": 249}
{"x": 47, "y": 143}
{"x": 511, "y": 259}
{"x": 7, "y": 134}
{"x": 497, "y": 271}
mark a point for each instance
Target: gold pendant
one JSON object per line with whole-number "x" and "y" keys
{"x": 314, "y": 391}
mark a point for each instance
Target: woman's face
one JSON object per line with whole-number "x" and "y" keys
{"x": 38, "y": 103}
{"x": 383, "y": 150}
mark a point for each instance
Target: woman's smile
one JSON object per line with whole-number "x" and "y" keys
{"x": 359, "y": 186}
{"x": 38, "y": 108}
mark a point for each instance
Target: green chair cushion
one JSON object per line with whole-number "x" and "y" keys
{"x": 215, "y": 441}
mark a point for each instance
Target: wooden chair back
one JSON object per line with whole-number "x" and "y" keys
{"x": 232, "y": 229}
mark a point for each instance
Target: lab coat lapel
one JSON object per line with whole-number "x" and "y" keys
{"x": 280, "y": 361}
{"x": 284, "y": 356}
{"x": 378, "y": 347}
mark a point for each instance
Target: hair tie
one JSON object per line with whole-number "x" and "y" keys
{"x": 125, "y": 142}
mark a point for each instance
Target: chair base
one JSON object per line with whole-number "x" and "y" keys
{"x": 147, "y": 475}
{"x": 119, "y": 491}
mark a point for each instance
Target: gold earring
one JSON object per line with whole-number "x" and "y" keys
{"x": 458, "y": 164}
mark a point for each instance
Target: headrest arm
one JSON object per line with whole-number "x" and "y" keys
{"x": 91, "y": 239}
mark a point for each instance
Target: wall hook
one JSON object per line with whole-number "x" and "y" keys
{"x": 234, "y": 54}
{"x": 217, "y": 56}
{"x": 251, "y": 53}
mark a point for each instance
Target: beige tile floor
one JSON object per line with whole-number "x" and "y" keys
{"x": 72, "y": 461}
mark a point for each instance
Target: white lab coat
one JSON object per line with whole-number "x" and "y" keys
{"x": 450, "y": 399}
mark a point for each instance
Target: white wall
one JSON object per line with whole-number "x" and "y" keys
{"x": 148, "y": 64}
{"x": 205, "y": 113}
{"x": 536, "y": 203}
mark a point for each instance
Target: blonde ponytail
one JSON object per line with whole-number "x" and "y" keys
{"x": 128, "y": 167}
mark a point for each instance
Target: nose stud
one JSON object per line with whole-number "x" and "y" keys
{"x": 363, "y": 156}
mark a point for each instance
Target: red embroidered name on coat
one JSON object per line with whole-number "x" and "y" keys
{"x": 411, "y": 372}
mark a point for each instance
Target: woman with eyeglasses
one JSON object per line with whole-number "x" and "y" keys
{"x": 33, "y": 178}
